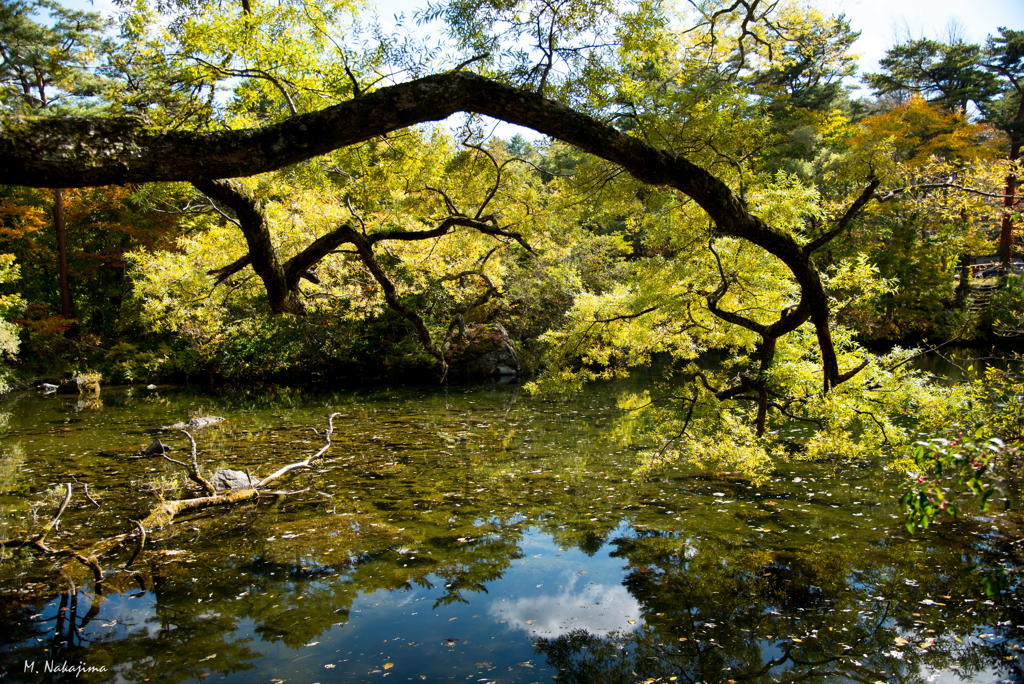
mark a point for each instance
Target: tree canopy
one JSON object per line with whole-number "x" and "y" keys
{"x": 705, "y": 182}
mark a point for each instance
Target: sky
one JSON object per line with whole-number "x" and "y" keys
{"x": 884, "y": 23}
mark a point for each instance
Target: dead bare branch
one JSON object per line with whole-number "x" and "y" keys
{"x": 164, "y": 513}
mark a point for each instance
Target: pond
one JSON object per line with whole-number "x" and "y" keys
{"x": 473, "y": 534}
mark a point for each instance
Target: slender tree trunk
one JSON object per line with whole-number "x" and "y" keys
{"x": 1009, "y": 202}
{"x": 62, "y": 252}
{"x": 1006, "y": 227}
{"x": 767, "y": 361}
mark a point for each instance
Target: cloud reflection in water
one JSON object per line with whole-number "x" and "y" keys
{"x": 597, "y": 608}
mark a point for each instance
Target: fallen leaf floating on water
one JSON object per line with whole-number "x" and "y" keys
{"x": 524, "y": 664}
{"x": 312, "y": 643}
{"x": 388, "y": 666}
{"x": 900, "y": 641}
{"x": 209, "y": 657}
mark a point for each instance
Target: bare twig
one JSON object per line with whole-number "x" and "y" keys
{"x": 141, "y": 544}
{"x": 192, "y": 469}
{"x": 55, "y": 523}
{"x": 89, "y": 497}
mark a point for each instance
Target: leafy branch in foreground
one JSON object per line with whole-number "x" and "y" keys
{"x": 964, "y": 463}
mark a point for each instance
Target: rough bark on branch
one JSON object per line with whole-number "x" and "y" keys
{"x": 55, "y": 152}
{"x": 282, "y": 294}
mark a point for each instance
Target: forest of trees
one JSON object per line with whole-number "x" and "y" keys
{"x": 286, "y": 191}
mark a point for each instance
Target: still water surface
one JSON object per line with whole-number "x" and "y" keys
{"x": 475, "y": 534}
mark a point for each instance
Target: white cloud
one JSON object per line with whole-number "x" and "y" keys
{"x": 597, "y": 608}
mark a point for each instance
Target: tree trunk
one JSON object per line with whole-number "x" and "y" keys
{"x": 62, "y": 252}
{"x": 1006, "y": 226}
{"x": 1010, "y": 195}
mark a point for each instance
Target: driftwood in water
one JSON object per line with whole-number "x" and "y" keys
{"x": 191, "y": 468}
{"x": 165, "y": 512}
{"x": 196, "y": 423}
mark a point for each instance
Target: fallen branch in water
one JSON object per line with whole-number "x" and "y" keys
{"x": 193, "y": 468}
{"x": 139, "y": 547}
{"x": 166, "y": 511}
{"x": 38, "y": 545}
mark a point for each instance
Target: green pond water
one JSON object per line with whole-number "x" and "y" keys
{"x": 473, "y": 534}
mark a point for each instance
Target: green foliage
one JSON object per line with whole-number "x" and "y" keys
{"x": 949, "y": 74}
{"x": 48, "y": 66}
{"x": 964, "y": 465}
{"x": 968, "y": 465}
{"x": 597, "y": 272}
{"x": 1004, "y": 314}
{"x": 1001, "y": 401}
{"x": 10, "y": 305}
{"x": 103, "y": 224}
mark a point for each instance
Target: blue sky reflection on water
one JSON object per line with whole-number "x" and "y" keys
{"x": 547, "y": 592}
{"x": 475, "y": 548}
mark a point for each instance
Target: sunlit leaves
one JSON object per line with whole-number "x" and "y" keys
{"x": 964, "y": 464}
{"x": 276, "y": 58}
{"x": 787, "y": 204}
{"x": 10, "y": 305}
{"x": 919, "y": 131}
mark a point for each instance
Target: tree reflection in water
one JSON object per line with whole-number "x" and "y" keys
{"x": 484, "y": 542}
{"x": 732, "y": 614}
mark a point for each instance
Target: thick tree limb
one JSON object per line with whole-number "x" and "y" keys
{"x": 364, "y": 248}
{"x": 165, "y": 512}
{"x": 86, "y": 152}
{"x": 282, "y": 294}
{"x": 283, "y": 297}
{"x": 225, "y": 272}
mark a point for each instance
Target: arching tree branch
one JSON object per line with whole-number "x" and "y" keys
{"x": 84, "y": 152}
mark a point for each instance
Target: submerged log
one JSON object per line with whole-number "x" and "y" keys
{"x": 166, "y": 511}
